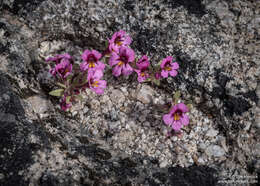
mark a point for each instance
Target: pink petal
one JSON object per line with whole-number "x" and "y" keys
{"x": 176, "y": 125}
{"x": 185, "y": 119}
{"x": 137, "y": 71}
{"x": 114, "y": 48}
{"x": 53, "y": 71}
{"x": 164, "y": 73}
{"x": 117, "y": 70}
{"x": 114, "y": 36}
{"x": 175, "y": 66}
{"x": 131, "y": 54}
{"x": 173, "y": 73}
{"x": 68, "y": 73}
{"x": 113, "y": 60}
{"x": 121, "y": 33}
{"x": 99, "y": 91}
{"x": 157, "y": 75}
{"x": 98, "y": 74}
{"x": 85, "y": 54}
{"x": 168, "y": 119}
{"x": 123, "y": 51}
{"x": 102, "y": 84}
{"x": 173, "y": 109}
{"x": 51, "y": 59}
{"x": 128, "y": 40}
{"x": 83, "y": 66}
{"x": 100, "y": 65}
{"x": 165, "y": 60}
{"x": 66, "y": 55}
{"x": 143, "y": 63}
{"x": 183, "y": 107}
{"x": 96, "y": 54}
{"x": 141, "y": 79}
{"x": 127, "y": 69}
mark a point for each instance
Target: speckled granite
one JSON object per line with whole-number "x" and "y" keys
{"x": 119, "y": 138}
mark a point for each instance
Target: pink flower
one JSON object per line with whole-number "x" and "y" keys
{"x": 142, "y": 71}
{"x": 58, "y": 58}
{"x": 143, "y": 63}
{"x": 157, "y": 75}
{"x": 168, "y": 67}
{"x": 119, "y": 39}
{"x": 121, "y": 61}
{"x": 63, "y": 65}
{"x": 177, "y": 117}
{"x": 95, "y": 82}
{"x": 64, "y": 105}
{"x": 63, "y": 69}
{"x": 91, "y": 60}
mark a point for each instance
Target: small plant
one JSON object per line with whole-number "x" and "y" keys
{"x": 74, "y": 78}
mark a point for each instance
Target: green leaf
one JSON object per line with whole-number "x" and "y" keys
{"x": 61, "y": 85}
{"x": 79, "y": 97}
{"x": 157, "y": 82}
{"x": 150, "y": 68}
{"x": 69, "y": 78}
{"x": 157, "y": 67}
{"x": 57, "y": 92}
{"x": 76, "y": 66}
{"x": 177, "y": 95}
{"x": 81, "y": 84}
{"x": 189, "y": 106}
{"x": 148, "y": 80}
{"x": 68, "y": 99}
{"x": 106, "y": 44}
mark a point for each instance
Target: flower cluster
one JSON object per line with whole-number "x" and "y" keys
{"x": 74, "y": 77}
{"x": 177, "y": 117}
{"x": 122, "y": 60}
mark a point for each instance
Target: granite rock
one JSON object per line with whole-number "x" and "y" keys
{"x": 216, "y": 46}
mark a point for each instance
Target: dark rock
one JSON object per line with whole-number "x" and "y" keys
{"x": 21, "y": 7}
{"x": 145, "y": 40}
{"x": 194, "y": 7}
{"x": 251, "y": 95}
{"x": 212, "y": 56}
{"x": 94, "y": 152}
{"x": 15, "y": 148}
{"x": 129, "y": 5}
{"x": 236, "y": 105}
{"x": 193, "y": 176}
{"x": 16, "y": 151}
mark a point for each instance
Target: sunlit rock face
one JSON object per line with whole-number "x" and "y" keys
{"x": 119, "y": 137}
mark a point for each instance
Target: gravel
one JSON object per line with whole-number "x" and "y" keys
{"x": 119, "y": 137}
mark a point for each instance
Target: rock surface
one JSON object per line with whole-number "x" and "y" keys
{"x": 119, "y": 138}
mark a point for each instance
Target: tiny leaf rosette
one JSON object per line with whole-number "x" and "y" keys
{"x": 57, "y": 92}
{"x": 176, "y": 97}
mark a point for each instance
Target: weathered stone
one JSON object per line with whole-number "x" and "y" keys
{"x": 211, "y": 133}
{"x": 117, "y": 97}
{"x": 163, "y": 164}
{"x": 215, "y": 44}
{"x": 145, "y": 94}
{"x": 215, "y": 150}
{"x": 40, "y": 104}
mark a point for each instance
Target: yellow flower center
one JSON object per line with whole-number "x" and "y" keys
{"x": 142, "y": 74}
{"x": 95, "y": 84}
{"x": 91, "y": 64}
{"x": 120, "y": 63}
{"x": 176, "y": 117}
{"x": 66, "y": 70}
{"x": 168, "y": 68}
{"x": 119, "y": 43}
